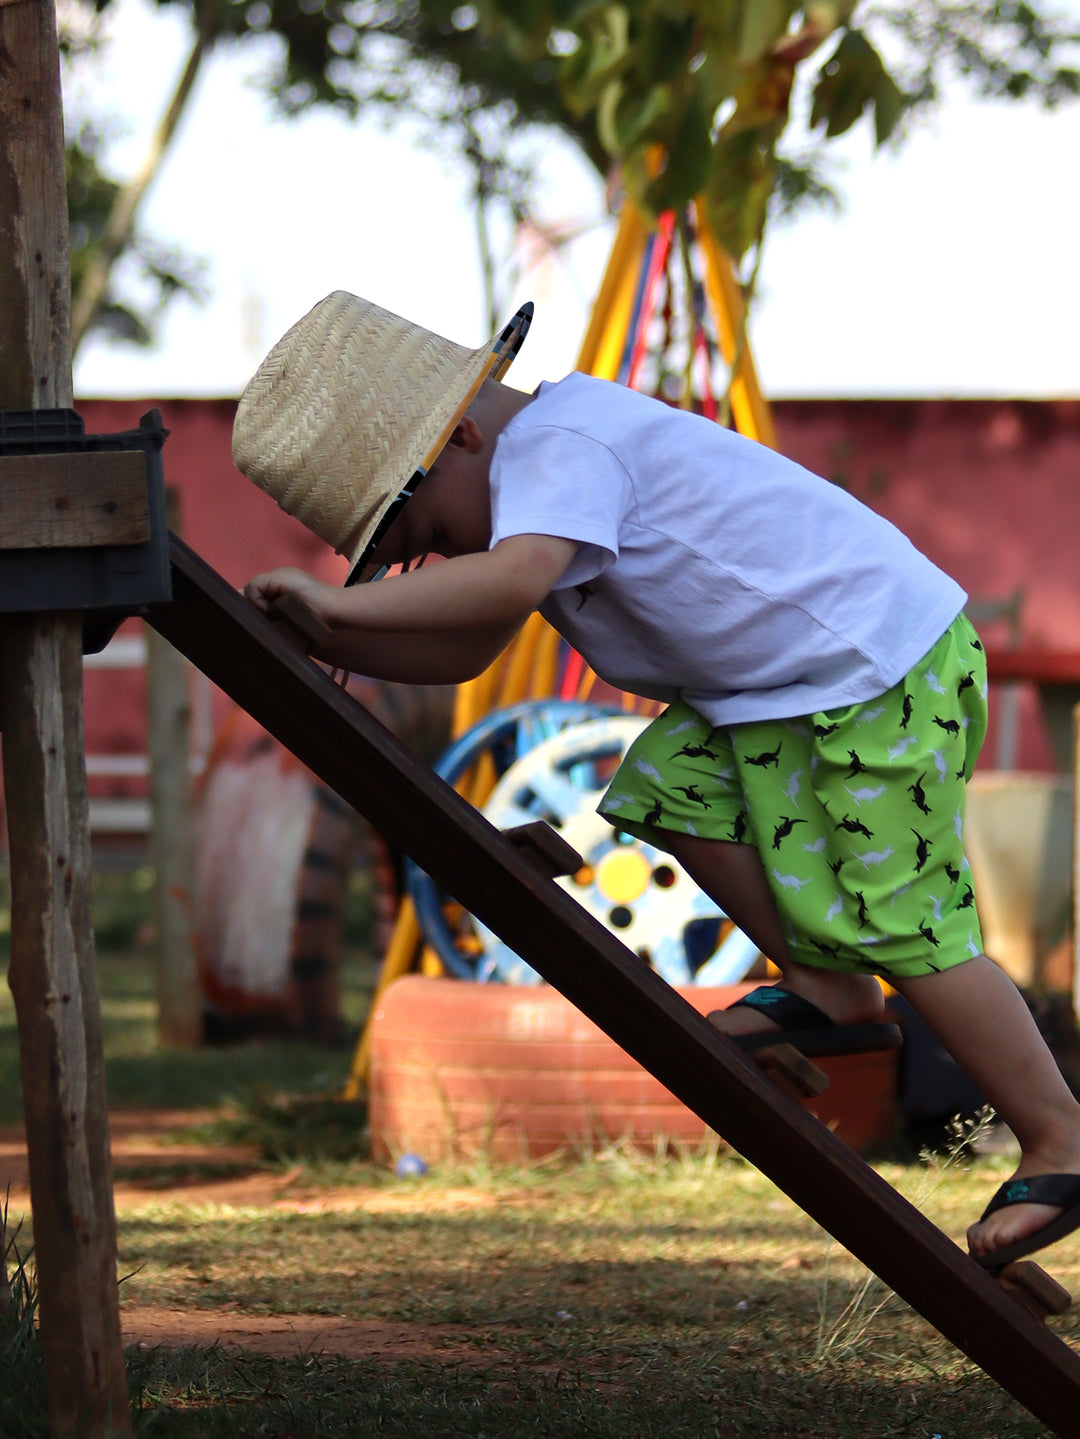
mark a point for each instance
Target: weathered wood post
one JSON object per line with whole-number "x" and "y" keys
{"x": 168, "y": 707}
{"x": 52, "y": 967}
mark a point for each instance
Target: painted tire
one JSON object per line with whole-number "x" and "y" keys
{"x": 553, "y": 760}
{"x": 514, "y": 1072}
{"x": 504, "y": 735}
{"x": 266, "y": 938}
{"x": 637, "y": 891}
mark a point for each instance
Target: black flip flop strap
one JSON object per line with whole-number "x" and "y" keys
{"x": 1061, "y": 1190}
{"x": 788, "y": 1010}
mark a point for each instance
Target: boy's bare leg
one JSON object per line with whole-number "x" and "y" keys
{"x": 980, "y": 1017}
{"x": 734, "y": 876}
{"x": 974, "y": 1009}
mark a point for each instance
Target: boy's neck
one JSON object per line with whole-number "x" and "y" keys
{"x": 501, "y": 404}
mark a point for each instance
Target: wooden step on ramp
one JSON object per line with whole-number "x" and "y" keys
{"x": 1037, "y": 1291}
{"x": 414, "y": 810}
{"x": 791, "y": 1071}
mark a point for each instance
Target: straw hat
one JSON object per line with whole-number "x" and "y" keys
{"x": 351, "y": 407}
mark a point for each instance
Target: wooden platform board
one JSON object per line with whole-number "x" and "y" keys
{"x": 414, "y": 810}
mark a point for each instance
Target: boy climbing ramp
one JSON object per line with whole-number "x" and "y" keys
{"x": 826, "y": 696}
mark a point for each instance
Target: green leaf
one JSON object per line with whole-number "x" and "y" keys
{"x": 851, "y": 79}
{"x": 764, "y": 21}
{"x": 665, "y": 47}
{"x": 626, "y": 119}
{"x": 607, "y": 125}
{"x": 826, "y": 15}
{"x": 889, "y": 105}
{"x": 739, "y": 187}
{"x": 587, "y": 74}
{"x": 688, "y": 146}
{"x": 716, "y": 81}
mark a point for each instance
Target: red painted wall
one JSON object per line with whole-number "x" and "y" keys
{"x": 228, "y": 520}
{"x": 989, "y": 489}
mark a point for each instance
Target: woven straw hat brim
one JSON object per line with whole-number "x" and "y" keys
{"x": 344, "y": 410}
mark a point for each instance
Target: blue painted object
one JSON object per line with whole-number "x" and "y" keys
{"x": 410, "y": 1166}
{"x": 505, "y": 734}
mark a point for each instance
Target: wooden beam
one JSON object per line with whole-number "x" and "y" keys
{"x": 73, "y": 501}
{"x": 335, "y": 736}
{"x": 172, "y": 835}
{"x": 546, "y": 848}
{"x": 52, "y": 973}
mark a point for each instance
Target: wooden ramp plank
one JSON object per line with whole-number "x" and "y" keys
{"x": 351, "y": 752}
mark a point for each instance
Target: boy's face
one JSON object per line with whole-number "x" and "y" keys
{"x": 450, "y": 513}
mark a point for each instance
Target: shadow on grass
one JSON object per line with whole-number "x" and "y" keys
{"x": 629, "y": 1395}
{"x": 208, "y": 1394}
{"x": 316, "y": 1130}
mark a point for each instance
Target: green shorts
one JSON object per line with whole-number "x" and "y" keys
{"x": 858, "y": 812}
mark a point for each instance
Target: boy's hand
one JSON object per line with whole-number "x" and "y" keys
{"x": 264, "y": 590}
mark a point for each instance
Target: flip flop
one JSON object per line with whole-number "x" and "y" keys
{"x": 808, "y": 1028}
{"x": 1058, "y": 1189}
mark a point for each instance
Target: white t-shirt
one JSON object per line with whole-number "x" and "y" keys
{"x": 709, "y": 567}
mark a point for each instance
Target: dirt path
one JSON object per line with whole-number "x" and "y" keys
{"x": 147, "y": 1162}
{"x": 152, "y": 1170}
{"x": 288, "y": 1335}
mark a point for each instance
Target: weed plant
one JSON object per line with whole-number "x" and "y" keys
{"x": 22, "y": 1377}
{"x": 866, "y": 1297}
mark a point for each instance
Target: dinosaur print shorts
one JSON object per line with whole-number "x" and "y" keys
{"x": 858, "y": 812}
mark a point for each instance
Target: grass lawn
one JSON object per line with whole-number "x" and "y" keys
{"x": 608, "y": 1295}
{"x": 620, "y": 1296}
{"x": 139, "y": 1072}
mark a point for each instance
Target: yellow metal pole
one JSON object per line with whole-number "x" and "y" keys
{"x": 605, "y": 339}
{"x": 748, "y": 406}
{"x": 398, "y": 961}
{"x": 546, "y": 663}
{"x": 521, "y": 656}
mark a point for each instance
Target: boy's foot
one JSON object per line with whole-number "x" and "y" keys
{"x": 1014, "y": 1225}
{"x": 845, "y": 998}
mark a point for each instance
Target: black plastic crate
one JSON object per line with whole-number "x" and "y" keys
{"x": 32, "y": 429}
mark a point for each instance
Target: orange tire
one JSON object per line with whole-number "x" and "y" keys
{"x": 515, "y": 1072}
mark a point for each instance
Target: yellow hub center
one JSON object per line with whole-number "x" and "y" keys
{"x": 623, "y": 875}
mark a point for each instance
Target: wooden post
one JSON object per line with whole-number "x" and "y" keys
{"x": 52, "y": 966}
{"x": 168, "y": 704}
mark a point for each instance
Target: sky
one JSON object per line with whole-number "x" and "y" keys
{"x": 951, "y": 270}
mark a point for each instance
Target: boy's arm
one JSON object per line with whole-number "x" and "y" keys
{"x": 437, "y": 622}
{"x": 434, "y": 659}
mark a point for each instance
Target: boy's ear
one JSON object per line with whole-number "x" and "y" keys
{"x": 467, "y": 435}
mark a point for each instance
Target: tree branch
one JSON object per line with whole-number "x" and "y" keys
{"x": 117, "y": 234}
